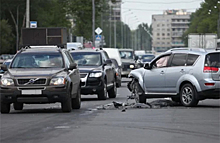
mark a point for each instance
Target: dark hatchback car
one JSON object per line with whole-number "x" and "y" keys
{"x": 97, "y": 73}
{"x": 41, "y": 75}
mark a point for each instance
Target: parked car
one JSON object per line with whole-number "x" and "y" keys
{"x": 186, "y": 75}
{"x": 41, "y": 75}
{"x": 128, "y": 61}
{"x": 97, "y": 73}
{"x": 117, "y": 72}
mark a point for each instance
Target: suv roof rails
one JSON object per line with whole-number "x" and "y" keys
{"x": 190, "y": 49}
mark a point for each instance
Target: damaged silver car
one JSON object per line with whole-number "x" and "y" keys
{"x": 184, "y": 74}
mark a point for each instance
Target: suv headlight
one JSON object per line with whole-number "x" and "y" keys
{"x": 57, "y": 81}
{"x": 96, "y": 74}
{"x": 7, "y": 81}
{"x": 131, "y": 66}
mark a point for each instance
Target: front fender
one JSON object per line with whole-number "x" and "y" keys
{"x": 138, "y": 74}
{"x": 188, "y": 78}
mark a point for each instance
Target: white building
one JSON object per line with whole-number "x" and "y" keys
{"x": 168, "y": 29}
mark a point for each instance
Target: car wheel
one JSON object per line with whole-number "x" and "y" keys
{"x": 102, "y": 95}
{"x": 113, "y": 91}
{"x": 66, "y": 104}
{"x": 76, "y": 102}
{"x": 5, "y": 107}
{"x": 188, "y": 95}
{"x": 18, "y": 106}
{"x": 138, "y": 98}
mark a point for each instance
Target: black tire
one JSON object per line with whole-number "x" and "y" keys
{"x": 5, "y": 108}
{"x": 188, "y": 95}
{"x": 76, "y": 102}
{"x": 118, "y": 84}
{"x": 102, "y": 95}
{"x": 66, "y": 105}
{"x": 18, "y": 106}
{"x": 176, "y": 99}
{"x": 112, "y": 93}
{"x": 139, "y": 98}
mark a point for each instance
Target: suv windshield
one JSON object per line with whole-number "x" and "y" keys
{"x": 126, "y": 54}
{"x": 213, "y": 60}
{"x": 38, "y": 60}
{"x": 87, "y": 58}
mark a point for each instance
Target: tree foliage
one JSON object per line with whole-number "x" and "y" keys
{"x": 6, "y": 37}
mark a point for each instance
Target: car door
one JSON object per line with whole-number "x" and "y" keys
{"x": 175, "y": 70}
{"x": 73, "y": 74}
{"x": 154, "y": 79}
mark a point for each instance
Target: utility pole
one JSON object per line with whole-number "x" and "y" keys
{"x": 218, "y": 28}
{"x": 114, "y": 30}
{"x": 27, "y": 13}
{"x": 110, "y": 28}
{"x": 93, "y": 23}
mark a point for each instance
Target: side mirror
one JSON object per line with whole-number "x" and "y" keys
{"x": 147, "y": 66}
{"x": 107, "y": 62}
{"x": 4, "y": 67}
{"x": 136, "y": 58}
{"x": 72, "y": 66}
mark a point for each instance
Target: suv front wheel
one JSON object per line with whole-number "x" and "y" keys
{"x": 188, "y": 95}
{"x": 113, "y": 91}
{"x": 102, "y": 95}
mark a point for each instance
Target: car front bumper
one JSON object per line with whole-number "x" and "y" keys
{"x": 92, "y": 86}
{"x": 46, "y": 94}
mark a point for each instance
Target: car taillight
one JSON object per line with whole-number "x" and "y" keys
{"x": 209, "y": 84}
{"x": 210, "y": 69}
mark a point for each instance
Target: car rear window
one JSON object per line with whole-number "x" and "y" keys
{"x": 191, "y": 59}
{"x": 213, "y": 60}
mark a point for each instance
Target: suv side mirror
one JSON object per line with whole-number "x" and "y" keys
{"x": 147, "y": 66}
{"x": 72, "y": 66}
{"x": 4, "y": 67}
{"x": 107, "y": 62}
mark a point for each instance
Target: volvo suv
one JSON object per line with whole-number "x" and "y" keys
{"x": 40, "y": 75}
{"x": 186, "y": 75}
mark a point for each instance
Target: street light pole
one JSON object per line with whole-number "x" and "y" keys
{"x": 27, "y": 13}
{"x": 93, "y": 23}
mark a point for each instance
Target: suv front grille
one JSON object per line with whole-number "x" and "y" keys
{"x": 40, "y": 81}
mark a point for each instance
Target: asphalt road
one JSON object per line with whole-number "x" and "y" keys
{"x": 100, "y": 122}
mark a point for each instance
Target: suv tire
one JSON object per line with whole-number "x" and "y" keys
{"x": 76, "y": 102}
{"x": 102, "y": 95}
{"x": 188, "y": 95}
{"x": 113, "y": 91}
{"x": 5, "y": 107}
{"x": 66, "y": 104}
{"x": 18, "y": 106}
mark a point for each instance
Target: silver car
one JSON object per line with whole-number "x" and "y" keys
{"x": 186, "y": 75}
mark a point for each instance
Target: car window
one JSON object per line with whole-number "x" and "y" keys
{"x": 161, "y": 62}
{"x": 191, "y": 59}
{"x": 38, "y": 60}
{"x": 178, "y": 60}
{"x": 87, "y": 58}
{"x": 126, "y": 54}
{"x": 213, "y": 60}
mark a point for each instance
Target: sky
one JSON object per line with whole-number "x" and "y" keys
{"x": 135, "y": 12}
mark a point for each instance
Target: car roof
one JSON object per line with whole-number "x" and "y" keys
{"x": 33, "y": 49}
{"x": 125, "y": 49}
{"x": 198, "y": 51}
{"x": 86, "y": 51}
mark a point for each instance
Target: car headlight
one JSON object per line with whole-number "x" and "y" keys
{"x": 57, "y": 81}
{"x": 7, "y": 81}
{"x": 131, "y": 66}
{"x": 96, "y": 74}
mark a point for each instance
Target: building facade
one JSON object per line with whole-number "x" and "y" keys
{"x": 116, "y": 10}
{"x": 168, "y": 29}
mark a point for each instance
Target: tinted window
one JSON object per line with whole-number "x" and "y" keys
{"x": 38, "y": 60}
{"x": 87, "y": 58}
{"x": 178, "y": 60}
{"x": 213, "y": 60}
{"x": 191, "y": 59}
{"x": 126, "y": 54}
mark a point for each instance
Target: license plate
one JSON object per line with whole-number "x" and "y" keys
{"x": 31, "y": 92}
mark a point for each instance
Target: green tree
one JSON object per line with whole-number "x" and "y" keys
{"x": 6, "y": 38}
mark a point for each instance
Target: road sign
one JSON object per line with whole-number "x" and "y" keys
{"x": 98, "y": 31}
{"x": 33, "y": 24}
{"x": 98, "y": 37}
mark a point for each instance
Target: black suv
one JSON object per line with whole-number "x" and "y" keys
{"x": 97, "y": 73}
{"x": 41, "y": 75}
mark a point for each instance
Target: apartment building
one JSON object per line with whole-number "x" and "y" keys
{"x": 168, "y": 29}
{"x": 116, "y": 10}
